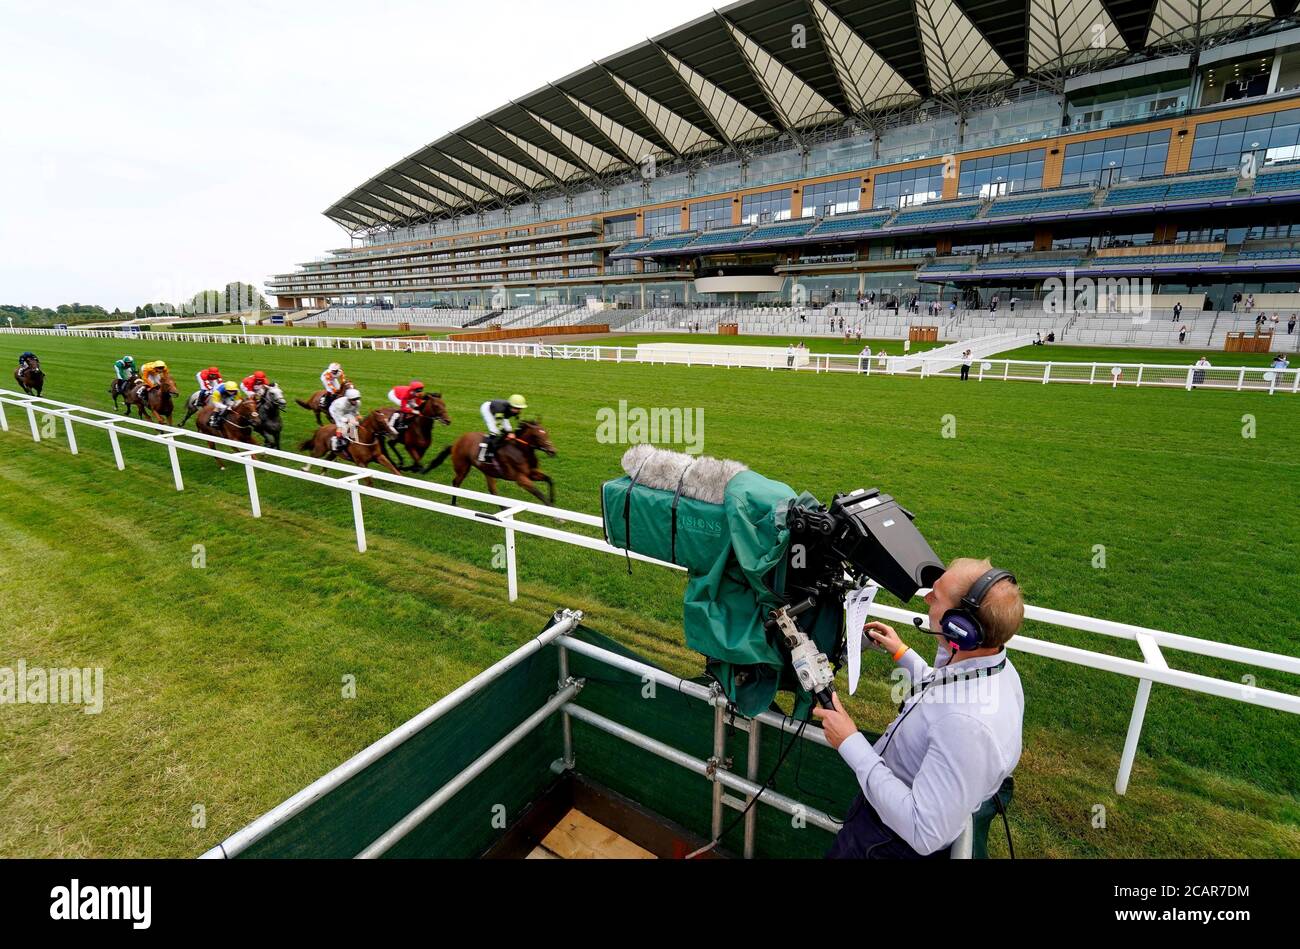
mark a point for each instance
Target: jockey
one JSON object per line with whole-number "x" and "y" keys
{"x": 346, "y": 413}
{"x": 407, "y": 399}
{"x": 124, "y": 368}
{"x": 332, "y": 380}
{"x": 25, "y": 360}
{"x": 251, "y": 384}
{"x": 497, "y": 414}
{"x": 208, "y": 380}
{"x": 151, "y": 373}
{"x": 224, "y": 396}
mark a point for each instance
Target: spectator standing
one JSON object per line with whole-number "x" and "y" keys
{"x": 1178, "y": 311}
{"x": 864, "y": 359}
{"x": 1182, "y": 333}
{"x": 1198, "y": 374}
{"x": 965, "y": 365}
{"x": 1290, "y": 325}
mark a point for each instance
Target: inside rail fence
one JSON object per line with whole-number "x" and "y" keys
{"x": 515, "y": 518}
{"x": 1113, "y": 374}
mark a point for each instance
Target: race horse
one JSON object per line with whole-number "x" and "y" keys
{"x": 363, "y": 452}
{"x": 270, "y": 414}
{"x": 237, "y": 425}
{"x": 317, "y": 402}
{"x": 194, "y": 405}
{"x": 31, "y": 378}
{"x": 417, "y": 437}
{"x": 153, "y": 402}
{"x": 516, "y": 460}
{"x": 118, "y": 388}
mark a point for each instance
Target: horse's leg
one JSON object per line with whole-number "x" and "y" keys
{"x": 387, "y": 463}
{"x": 491, "y": 483}
{"x": 531, "y": 488}
{"x": 545, "y": 479}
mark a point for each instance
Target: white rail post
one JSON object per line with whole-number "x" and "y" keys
{"x": 512, "y": 567}
{"x": 4, "y": 419}
{"x": 1047, "y": 373}
{"x": 176, "y": 465}
{"x": 31, "y": 420}
{"x": 72, "y": 436}
{"x": 1191, "y": 375}
{"x": 117, "y": 447}
{"x": 253, "y": 498}
{"x": 1151, "y": 653}
{"x": 359, "y": 519}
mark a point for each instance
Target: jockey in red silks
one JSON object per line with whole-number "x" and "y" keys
{"x": 408, "y": 400}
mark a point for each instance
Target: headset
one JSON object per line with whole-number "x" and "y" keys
{"x": 961, "y": 626}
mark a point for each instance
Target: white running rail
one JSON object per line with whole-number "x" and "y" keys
{"x": 921, "y": 365}
{"x": 1151, "y": 668}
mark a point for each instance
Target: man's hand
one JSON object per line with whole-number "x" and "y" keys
{"x": 836, "y": 723}
{"x": 884, "y": 637}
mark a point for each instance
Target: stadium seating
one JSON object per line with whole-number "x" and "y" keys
{"x": 1288, "y": 180}
{"x": 781, "y": 231}
{"x": 850, "y": 223}
{"x": 631, "y": 247}
{"x": 1273, "y": 253}
{"x": 1146, "y": 259}
{"x": 935, "y": 214}
{"x": 729, "y": 235}
{"x": 1041, "y": 204}
{"x": 1030, "y": 263}
{"x": 669, "y": 242}
{"x": 1202, "y": 188}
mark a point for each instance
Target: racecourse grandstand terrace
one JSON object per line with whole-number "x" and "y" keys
{"x": 951, "y": 150}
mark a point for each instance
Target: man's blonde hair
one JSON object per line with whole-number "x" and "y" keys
{"x": 1003, "y": 611}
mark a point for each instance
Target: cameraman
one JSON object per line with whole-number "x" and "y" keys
{"x": 957, "y": 737}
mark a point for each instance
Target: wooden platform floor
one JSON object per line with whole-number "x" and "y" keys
{"x": 578, "y": 837}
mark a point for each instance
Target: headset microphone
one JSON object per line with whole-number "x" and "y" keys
{"x": 918, "y": 621}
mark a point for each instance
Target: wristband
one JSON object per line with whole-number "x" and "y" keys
{"x": 902, "y": 650}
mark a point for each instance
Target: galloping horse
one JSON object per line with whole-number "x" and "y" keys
{"x": 317, "y": 402}
{"x": 31, "y": 378}
{"x": 237, "y": 424}
{"x": 270, "y": 417}
{"x": 156, "y": 402}
{"x": 365, "y": 451}
{"x": 516, "y": 460}
{"x": 417, "y": 437}
{"x": 193, "y": 405}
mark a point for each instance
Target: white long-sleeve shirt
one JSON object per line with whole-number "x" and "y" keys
{"x": 958, "y": 743}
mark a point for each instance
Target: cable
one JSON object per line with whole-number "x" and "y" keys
{"x": 754, "y": 800}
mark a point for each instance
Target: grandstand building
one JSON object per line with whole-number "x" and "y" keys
{"x": 826, "y": 150}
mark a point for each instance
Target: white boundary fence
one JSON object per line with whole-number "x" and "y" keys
{"x": 507, "y": 513}
{"x": 917, "y": 366}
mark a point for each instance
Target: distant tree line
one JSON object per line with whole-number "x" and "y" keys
{"x": 236, "y": 297}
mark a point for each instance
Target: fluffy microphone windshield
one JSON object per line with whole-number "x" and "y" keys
{"x": 702, "y": 478}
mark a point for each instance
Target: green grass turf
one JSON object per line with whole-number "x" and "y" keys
{"x": 223, "y": 684}
{"x": 1155, "y": 357}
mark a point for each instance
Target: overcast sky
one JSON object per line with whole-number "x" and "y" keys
{"x": 149, "y": 150}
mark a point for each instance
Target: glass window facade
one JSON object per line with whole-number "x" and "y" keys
{"x": 663, "y": 221}
{"x": 766, "y": 207}
{"x": 832, "y": 197}
{"x": 1107, "y": 161}
{"x": 914, "y": 186}
{"x": 1271, "y": 138}
{"x": 706, "y": 215}
{"x": 1001, "y": 174}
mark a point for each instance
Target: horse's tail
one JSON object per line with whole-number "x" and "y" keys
{"x": 305, "y": 405}
{"x": 442, "y": 456}
{"x": 308, "y": 445}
